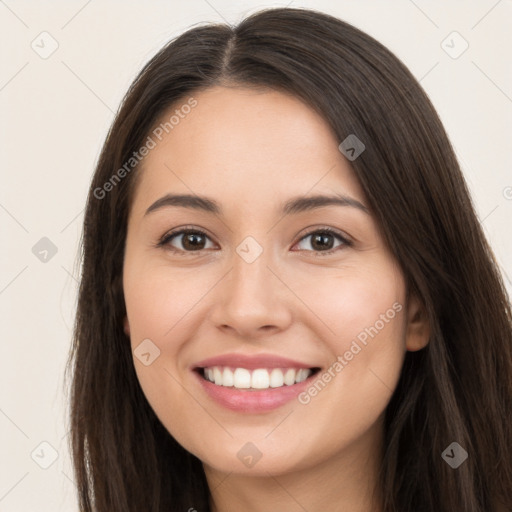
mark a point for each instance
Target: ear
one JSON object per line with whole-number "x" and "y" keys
{"x": 417, "y": 332}
{"x": 126, "y": 326}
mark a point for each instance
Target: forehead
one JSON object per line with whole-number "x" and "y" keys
{"x": 261, "y": 143}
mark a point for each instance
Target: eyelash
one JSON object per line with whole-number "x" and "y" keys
{"x": 164, "y": 241}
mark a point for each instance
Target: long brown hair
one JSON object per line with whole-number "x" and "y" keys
{"x": 457, "y": 389}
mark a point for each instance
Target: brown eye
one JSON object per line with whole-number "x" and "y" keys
{"x": 193, "y": 240}
{"x": 190, "y": 240}
{"x": 323, "y": 241}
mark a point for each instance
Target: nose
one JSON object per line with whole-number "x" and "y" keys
{"x": 252, "y": 300}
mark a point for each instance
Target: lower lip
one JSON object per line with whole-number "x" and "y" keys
{"x": 244, "y": 400}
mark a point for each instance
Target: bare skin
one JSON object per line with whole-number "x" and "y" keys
{"x": 251, "y": 151}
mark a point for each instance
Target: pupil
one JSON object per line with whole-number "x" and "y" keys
{"x": 322, "y": 240}
{"x": 191, "y": 241}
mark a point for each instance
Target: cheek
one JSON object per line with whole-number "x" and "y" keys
{"x": 364, "y": 324}
{"x": 159, "y": 304}
{"x": 157, "y": 300}
{"x": 352, "y": 304}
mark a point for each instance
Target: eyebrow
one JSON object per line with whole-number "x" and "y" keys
{"x": 294, "y": 205}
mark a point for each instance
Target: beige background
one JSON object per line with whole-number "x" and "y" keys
{"x": 55, "y": 114}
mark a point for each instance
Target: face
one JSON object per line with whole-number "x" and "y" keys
{"x": 268, "y": 284}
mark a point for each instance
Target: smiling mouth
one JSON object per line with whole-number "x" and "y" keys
{"x": 256, "y": 379}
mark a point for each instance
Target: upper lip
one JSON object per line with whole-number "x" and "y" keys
{"x": 252, "y": 362}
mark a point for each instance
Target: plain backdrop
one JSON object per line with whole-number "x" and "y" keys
{"x": 56, "y": 109}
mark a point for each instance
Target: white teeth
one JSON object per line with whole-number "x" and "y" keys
{"x": 217, "y": 376}
{"x": 241, "y": 378}
{"x": 289, "y": 377}
{"x": 262, "y": 378}
{"x": 302, "y": 375}
{"x": 227, "y": 377}
{"x": 276, "y": 378}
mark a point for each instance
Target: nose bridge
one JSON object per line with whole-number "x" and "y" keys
{"x": 250, "y": 276}
{"x": 250, "y": 297}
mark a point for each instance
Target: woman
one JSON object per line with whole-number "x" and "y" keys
{"x": 224, "y": 358}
